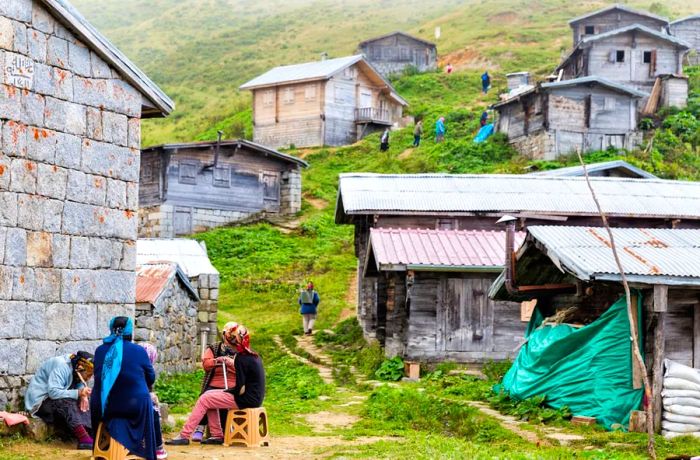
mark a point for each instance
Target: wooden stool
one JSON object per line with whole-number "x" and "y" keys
{"x": 247, "y": 427}
{"x": 106, "y": 448}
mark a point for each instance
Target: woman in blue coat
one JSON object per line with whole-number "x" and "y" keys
{"x": 120, "y": 398}
{"x": 309, "y": 300}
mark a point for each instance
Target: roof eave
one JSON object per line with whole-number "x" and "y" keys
{"x": 248, "y": 87}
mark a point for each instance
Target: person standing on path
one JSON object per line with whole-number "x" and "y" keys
{"x": 485, "y": 82}
{"x": 384, "y": 141}
{"x": 309, "y": 300}
{"x": 440, "y": 130}
{"x": 417, "y": 133}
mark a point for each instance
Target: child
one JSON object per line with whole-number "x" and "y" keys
{"x": 161, "y": 454}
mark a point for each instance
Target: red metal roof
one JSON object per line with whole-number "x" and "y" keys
{"x": 151, "y": 280}
{"x": 409, "y": 248}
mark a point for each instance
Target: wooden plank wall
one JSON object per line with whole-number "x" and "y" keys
{"x": 613, "y": 20}
{"x": 392, "y": 54}
{"x": 151, "y": 179}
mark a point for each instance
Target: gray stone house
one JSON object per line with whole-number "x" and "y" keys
{"x": 188, "y": 188}
{"x": 70, "y": 114}
{"x": 614, "y": 17}
{"x": 688, "y": 30}
{"x": 166, "y": 315}
{"x": 392, "y": 53}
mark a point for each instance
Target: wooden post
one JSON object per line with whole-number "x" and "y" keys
{"x": 660, "y": 307}
{"x": 637, "y": 380}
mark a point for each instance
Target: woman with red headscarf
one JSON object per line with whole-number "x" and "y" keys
{"x": 248, "y": 392}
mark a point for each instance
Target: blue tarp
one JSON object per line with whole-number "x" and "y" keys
{"x": 484, "y": 133}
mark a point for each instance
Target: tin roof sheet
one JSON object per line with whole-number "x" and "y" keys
{"x": 153, "y": 279}
{"x": 299, "y": 72}
{"x": 613, "y": 85}
{"x": 405, "y": 248}
{"x": 621, "y": 8}
{"x": 454, "y": 194}
{"x": 646, "y": 254}
{"x": 577, "y": 171}
{"x": 188, "y": 254}
{"x": 638, "y": 28}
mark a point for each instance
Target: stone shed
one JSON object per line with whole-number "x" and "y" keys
{"x": 70, "y": 115}
{"x": 166, "y": 315}
{"x": 191, "y": 256}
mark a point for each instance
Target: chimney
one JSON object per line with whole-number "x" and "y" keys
{"x": 218, "y": 147}
{"x": 324, "y": 56}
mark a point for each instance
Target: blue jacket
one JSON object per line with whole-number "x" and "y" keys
{"x": 310, "y": 308}
{"x": 52, "y": 380}
{"x": 440, "y": 127}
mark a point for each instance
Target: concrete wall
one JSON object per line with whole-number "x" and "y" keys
{"x": 689, "y": 31}
{"x": 69, "y": 169}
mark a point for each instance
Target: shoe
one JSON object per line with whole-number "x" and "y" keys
{"x": 161, "y": 454}
{"x": 197, "y": 436}
{"x": 213, "y": 441}
{"x": 84, "y": 446}
{"x": 178, "y": 442}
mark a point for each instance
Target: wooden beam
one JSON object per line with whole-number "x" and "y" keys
{"x": 696, "y": 338}
{"x": 659, "y": 351}
{"x": 660, "y": 298}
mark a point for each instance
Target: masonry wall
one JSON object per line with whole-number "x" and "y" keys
{"x": 207, "y": 286}
{"x": 69, "y": 162}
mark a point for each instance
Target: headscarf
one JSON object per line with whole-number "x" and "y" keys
{"x": 243, "y": 341}
{"x": 151, "y": 351}
{"x": 231, "y": 326}
{"x": 119, "y": 327}
{"x": 81, "y": 361}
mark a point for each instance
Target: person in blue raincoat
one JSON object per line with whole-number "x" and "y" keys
{"x": 440, "y": 130}
{"x": 309, "y": 300}
{"x": 485, "y": 82}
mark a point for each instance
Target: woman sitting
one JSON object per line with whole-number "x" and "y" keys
{"x": 120, "y": 398}
{"x": 248, "y": 392}
{"x": 217, "y": 361}
{"x": 59, "y": 396}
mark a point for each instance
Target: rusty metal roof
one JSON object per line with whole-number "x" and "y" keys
{"x": 648, "y": 255}
{"x": 153, "y": 279}
{"x": 399, "y": 249}
{"x": 190, "y": 255}
{"x": 470, "y": 194}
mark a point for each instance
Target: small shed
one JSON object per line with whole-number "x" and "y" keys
{"x": 517, "y": 80}
{"x": 166, "y": 315}
{"x": 394, "y": 52}
{"x": 563, "y": 267}
{"x": 688, "y": 29}
{"x": 615, "y": 168}
{"x": 193, "y": 187}
{"x": 614, "y": 17}
{"x": 191, "y": 257}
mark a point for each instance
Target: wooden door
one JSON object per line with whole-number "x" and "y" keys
{"x": 465, "y": 318}
{"x": 183, "y": 221}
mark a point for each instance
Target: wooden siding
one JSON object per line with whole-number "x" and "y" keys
{"x": 151, "y": 179}
{"x": 612, "y": 20}
{"x": 341, "y": 102}
{"x": 392, "y": 54}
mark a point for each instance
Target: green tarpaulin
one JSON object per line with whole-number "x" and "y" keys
{"x": 588, "y": 369}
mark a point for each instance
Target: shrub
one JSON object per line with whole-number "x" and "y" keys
{"x": 532, "y": 409}
{"x": 391, "y": 369}
{"x": 495, "y": 370}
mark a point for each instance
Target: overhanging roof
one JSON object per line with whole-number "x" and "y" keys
{"x": 390, "y": 34}
{"x": 639, "y": 28}
{"x": 593, "y": 79}
{"x": 470, "y": 194}
{"x": 190, "y": 255}
{"x": 595, "y": 168}
{"x": 620, "y": 7}
{"x": 73, "y": 20}
{"x": 152, "y": 281}
{"x": 689, "y": 18}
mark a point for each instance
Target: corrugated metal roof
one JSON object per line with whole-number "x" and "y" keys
{"x": 398, "y": 32}
{"x": 453, "y": 194}
{"x": 622, "y": 8}
{"x": 577, "y": 171}
{"x": 678, "y": 21}
{"x": 300, "y": 72}
{"x": 619, "y": 87}
{"x": 188, "y": 254}
{"x": 415, "y": 249}
{"x": 153, "y": 279}
{"x": 646, "y": 254}
{"x": 636, "y": 27}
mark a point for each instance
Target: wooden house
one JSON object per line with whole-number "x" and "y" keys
{"x": 688, "y": 30}
{"x": 558, "y": 118}
{"x": 634, "y": 55}
{"x": 612, "y": 18}
{"x": 427, "y": 249}
{"x": 565, "y": 267}
{"x": 393, "y": 53}
{"x": 615, "y": 168}
{"x": 329, "y": 102}
{"x": 188, "y": 188}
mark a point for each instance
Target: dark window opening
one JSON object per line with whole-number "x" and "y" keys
{"x": 446, "y": 224}
{"x": 620, "y": 56}
{"x": 589, "y": 30}
{"x": 647, "y": 57}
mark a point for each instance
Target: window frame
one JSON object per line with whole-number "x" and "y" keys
{"x": 219, "y": 182}
{"x": 310, "y": 92}
{"x": 188, "y": 180}
{"x": 620, "y": 56}
{"x": 289, "y": 96}
{"x": 646, "y": 57}
{"x": 587, "y": 28}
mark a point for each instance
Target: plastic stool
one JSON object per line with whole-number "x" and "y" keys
{"x": 106, "y": 448}
{"x": 247, "y": 427}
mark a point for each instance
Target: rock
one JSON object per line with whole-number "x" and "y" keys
{"x": 37, "y": 430}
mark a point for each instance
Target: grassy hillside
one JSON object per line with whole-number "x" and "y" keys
{"x": 200, "y": 51}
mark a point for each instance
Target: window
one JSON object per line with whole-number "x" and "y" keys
{"x": 268, "y": 97}
{"x": 271, "y": 186}
{"x": 405, "y": 54}
{"x": 338, "y": 94}
{"x": 589, "y": 30}
{"x": 647, "y": 57}
{"x": 288, "y": 97}
{"x": 446, "y": 224}
{"x": 620, "y": 56}
{"x": 376, "y": 52}
{"x": 350, "y": 72}
{"x": 222, "y": 177}
{"x": 188, "y": 170}
{"x": 147, "y": 173}
{"x": 609, "y": 103}
{"x": 310, "y": 92}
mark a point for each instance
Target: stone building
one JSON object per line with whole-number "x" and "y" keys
{"x": 192, "y": 258}
{"x": 166, "y": 315}
{"x": 70, "y": 114}
{"x": 392, "y": 53}
{"x": 188, "y": 188}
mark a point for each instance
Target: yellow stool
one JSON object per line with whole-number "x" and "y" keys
{"x": 247, "y": 427}
{"x": 106, "y": 448}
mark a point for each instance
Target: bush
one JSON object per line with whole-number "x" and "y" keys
{"x": 495, "y": 370}
{"x": 532, "y": 409}
{"x": 391, "y": 369}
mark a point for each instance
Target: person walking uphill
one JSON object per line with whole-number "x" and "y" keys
{"x": 417, "y": 133}
{"x": 440, "y": 130}
{"x": 384, "y": 141}
{"x": 309, "y": 301}
{"x": 485, "y": 82}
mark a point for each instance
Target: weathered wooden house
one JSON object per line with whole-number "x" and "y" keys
{"x": 426, "y": 248}
{"x": 394, "y": 52}
{"x": 71, "y": 106}
{"x": 558, "y": 118}
{"x": 615, "y": 168}
{"x": 192, "y": 259}
{"x": 329, "y": 102}
{"x": 634, "y": 55}
{"x": 166, "y": 315}
{"x": 614, "y": 17}
{"x": 661, "y": 265}
{"x": 188, "y": 188}
{"x": 688, "y": 30}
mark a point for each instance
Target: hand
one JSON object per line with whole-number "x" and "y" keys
{"x": 84, "y": 404}
{"x": 84, "y": 392}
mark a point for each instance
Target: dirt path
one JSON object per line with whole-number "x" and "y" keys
{"x": 325, "y": 372}
{"x": 317, "y": 203}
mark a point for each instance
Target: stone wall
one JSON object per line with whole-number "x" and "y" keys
{"x": 290, "y": 192}
{"x": 207, "y": 286}
{"x": 538, "y": 146}
{"x": 170, "y": 325}
{"x": 159, "y": 221}
{"x": 69, "y": 168}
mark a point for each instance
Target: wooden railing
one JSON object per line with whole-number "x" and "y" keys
{"x": 372, "y": 114}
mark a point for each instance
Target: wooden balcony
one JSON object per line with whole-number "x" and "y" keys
{"x": 372, "y": 115}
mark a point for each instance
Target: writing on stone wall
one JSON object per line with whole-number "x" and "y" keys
{"x": 19, "y": 71}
